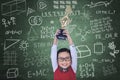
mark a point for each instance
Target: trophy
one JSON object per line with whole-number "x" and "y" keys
{"x": 65, "y": 20}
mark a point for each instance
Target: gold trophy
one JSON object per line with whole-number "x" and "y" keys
{"x": 65, "y": 20}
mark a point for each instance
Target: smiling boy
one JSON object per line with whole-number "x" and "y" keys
{"x": 64, "y": 61}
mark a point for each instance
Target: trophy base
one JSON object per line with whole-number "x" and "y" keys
{"x": 61, "y": 35}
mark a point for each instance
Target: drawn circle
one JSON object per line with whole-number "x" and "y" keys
{"x": 35, "y": 20}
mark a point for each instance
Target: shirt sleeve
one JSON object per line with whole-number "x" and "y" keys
{"x": 54, "y": 57}
{"x": 74, "y": 57}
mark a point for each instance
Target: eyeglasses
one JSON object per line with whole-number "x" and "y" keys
{"x": 60, "y": 59}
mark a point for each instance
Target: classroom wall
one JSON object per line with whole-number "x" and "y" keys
{"x": 27, "y": 31}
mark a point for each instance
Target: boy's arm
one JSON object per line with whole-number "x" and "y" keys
{"x": 74, "y": 57}
{"x": 73, "y": 52}
{"x": 54, "y": 54}
{"x": 54, "y": 57}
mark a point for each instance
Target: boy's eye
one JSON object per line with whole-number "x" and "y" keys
{"x": 62, "y": 59}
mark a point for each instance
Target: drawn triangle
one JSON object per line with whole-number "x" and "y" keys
{"x": 29, "y": 11}
{"x": 32, "y": 34}
{"x": 9, "y": 43}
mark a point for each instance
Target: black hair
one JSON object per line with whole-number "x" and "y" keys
{"x": 63, "y": 50}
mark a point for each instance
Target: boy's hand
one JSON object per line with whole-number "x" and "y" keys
{"x": 55, "y": 37}
{"x": 65, "y": 32}
{"x": 57, "y": 32}
{"x": 68, "y": 37}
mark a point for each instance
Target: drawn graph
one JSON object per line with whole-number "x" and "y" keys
{"x": 13, "y": 7}
{"x": 10, "y": 58}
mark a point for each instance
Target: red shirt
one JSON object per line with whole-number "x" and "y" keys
{"x": 68, "y": 75}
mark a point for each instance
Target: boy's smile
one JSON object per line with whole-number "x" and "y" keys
{"x": 64, "y": 60}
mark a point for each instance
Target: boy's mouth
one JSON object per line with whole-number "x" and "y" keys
{"x": 64, "y": 65}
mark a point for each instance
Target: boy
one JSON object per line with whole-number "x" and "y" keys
{"x": 64, "y": 61}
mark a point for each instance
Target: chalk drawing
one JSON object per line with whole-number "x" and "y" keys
{"x": 35, "y": 20}
{"x": 98, "y": 48}
{"x": 101, "y": 25}
{"x": 86, "y": 70}
{"x": 37, "y": 73}
{"x": 24, "y": 45}
{"x": 71, "y": 28}
{"x": 103, "y": 60}
{"x": 83, "y": 33}
{"x": 7, "y": 23}
{"x": 100, "y": 3}
{"x": 83, "y": 51}
{"x": 12, "y": 73}
{"x": 112, "y": 46}
{"x": 32, "y": 34}
{"x": 61, "y": 4}
{"x": 38, "y": 61}
{"x": 41, "y": 5}
{"x": 13, "y": 7}
{"x": 9, "y": 43}
{"x": 109, "y": 70}
{"x": 10, "y": 58}
{"x": 13, "y": 32}
{"x": 46, "y": 32}
{"x": 30, "y": 11}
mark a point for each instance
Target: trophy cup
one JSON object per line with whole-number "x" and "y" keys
{"x": 65, "y": 20}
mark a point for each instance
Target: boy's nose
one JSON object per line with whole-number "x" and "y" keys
{"x": 64, "y": 63}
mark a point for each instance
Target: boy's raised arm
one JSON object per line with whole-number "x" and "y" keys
{"x": 54, "y": 52}
{"x": 73, "y": 51}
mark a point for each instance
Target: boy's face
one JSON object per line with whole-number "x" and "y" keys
{"x": 64, "y": 59}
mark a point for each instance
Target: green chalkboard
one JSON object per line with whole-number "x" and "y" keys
{"x": 27, "y": 31}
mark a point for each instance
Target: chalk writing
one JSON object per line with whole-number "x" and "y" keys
{"x": 37, "y": 73}
{"x": 87, "y": 70}
{"x": 7, "y": 23}
{"x": 109, "y": 70}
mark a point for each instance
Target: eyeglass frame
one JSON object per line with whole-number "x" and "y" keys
{"x": 61, "y": 59}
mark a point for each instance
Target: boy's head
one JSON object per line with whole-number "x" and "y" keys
{"x": 64, "y": 57}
